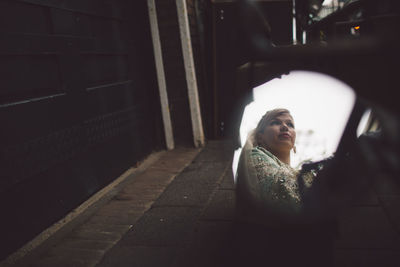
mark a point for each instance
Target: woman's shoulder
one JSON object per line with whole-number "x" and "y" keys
{"x": 257, "y": 150}
{"x": 260, "y": 154}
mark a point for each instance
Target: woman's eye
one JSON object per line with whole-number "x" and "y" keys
{"x": 275, "y": 123}
{"x": 291, "y": 125}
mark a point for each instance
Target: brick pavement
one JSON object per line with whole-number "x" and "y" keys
{"x": 87, "y": 244}
{"x": 180, "y": 212}
{"x": 175, "y": 231}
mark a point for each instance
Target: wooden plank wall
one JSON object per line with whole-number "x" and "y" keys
{"x": 78, "y": 106}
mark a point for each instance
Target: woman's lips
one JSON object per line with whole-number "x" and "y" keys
{"x": 284, "y": 136}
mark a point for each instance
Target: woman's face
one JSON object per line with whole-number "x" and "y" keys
{"x": 279, "y": 135}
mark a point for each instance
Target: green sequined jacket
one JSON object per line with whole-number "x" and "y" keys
{"x": 277, "y": 182}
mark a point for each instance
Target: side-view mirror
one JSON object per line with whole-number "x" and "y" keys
{"x": 339, "y": 140}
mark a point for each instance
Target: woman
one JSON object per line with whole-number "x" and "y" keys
{"x": 265, "y": 178}
{"x": 269, "y": 203}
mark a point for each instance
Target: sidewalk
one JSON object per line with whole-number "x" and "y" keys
{"x": 179, "y": 212}
{"x": 158, "y": 217}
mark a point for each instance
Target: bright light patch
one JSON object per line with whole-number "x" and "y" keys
{"x": 327, "y": 3}
{"x": 363, "y": 122}
{"x": 320, "y": 106}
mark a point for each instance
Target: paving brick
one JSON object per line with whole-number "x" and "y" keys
{"x": 227, "y": 180}
{"x": 139, "y": 257}
{"x": 163, "y": 226}
{"x": 174, "y": 161}
{"x": 196, "y": 257}
{"x": 186, "y": 194}
{"x": 194, "y": 186}
{"x": 139, "y": 194}
{"x": 203, "y": 172}
{"x": 134, "y": 202}
{"x": 98, "y": 245}
{"x": 77, "y": 254}
{"x": 154, "y": 175}
{"x": 216, "y": 151}
{"x": 107, "y": 228}
{"x": 210, "y": 247}
{"x": 213, "y": 235}
{"x": 114, "y": 208}
{"x": 62, "y": 262}
{"x": 94, "y": 234}
{"x": 146, "y": 187}
{"x": 365, "y": 227}
{"x": 121, "y": 219}
{"x": 222, "y": 206}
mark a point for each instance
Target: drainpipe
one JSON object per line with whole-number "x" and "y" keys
{"x": 169, "y": 137}
{"x": 194, "y": 104}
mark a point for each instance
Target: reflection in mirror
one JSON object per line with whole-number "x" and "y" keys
{"x": 368, "y": 123}
{"x": 320, "y": 106}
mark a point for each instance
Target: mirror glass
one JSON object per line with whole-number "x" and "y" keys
{"x": 320, "y": 106}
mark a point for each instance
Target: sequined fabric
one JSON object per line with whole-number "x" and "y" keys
{"x": 277, "y": 182}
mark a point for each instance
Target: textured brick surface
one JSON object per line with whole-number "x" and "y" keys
{"x": 94, "y": 234}
{"x": 222, "y": 206}
{"x": 140, "y": 256}
{"x": 62, "y": 256}
{"x": 118, "y": 229}
{"x": 213, "y": 234}
{"x": 87, "y": 244}
{"x": 99, "y": 245}
{"x": 163, "y": 226}
{"x": 62, "y": 262}
{"x": 216, "y": 151}
{"x": 159, "y": 220}
{"x": 227, "y": 181}
{"x": 211, "y": 245}
{"x": 122, "y": 219}
{"x": 194, "y": 186}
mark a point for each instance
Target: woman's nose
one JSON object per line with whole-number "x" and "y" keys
{"x": 284, "y": 127}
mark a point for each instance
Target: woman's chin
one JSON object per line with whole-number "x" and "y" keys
{"x": 285, "y": 147}
{"x": 285, "y": 143}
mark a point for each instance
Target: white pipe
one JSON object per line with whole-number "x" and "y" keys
{"x": 294, "y": 22}
{"x": 169, "y": 138}
{"x": 197, "y": 126}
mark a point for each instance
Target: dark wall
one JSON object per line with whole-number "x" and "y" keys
{"x": 200, "y": 35}
{"x": 231, "y": 49}
{"x": 78, "y": 106}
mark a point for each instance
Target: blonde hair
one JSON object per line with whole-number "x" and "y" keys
{"x": 268, "y": 117}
